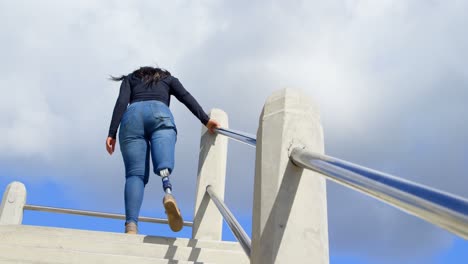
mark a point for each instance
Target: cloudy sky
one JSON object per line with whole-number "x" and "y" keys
{"x": 389, "y": 76}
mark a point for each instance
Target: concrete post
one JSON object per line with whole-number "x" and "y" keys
{"x": 208, "y": 222}
{"x": 14, "y": 199}
{"x": 290, "y": 207}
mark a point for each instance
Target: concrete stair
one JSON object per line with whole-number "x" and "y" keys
{"x": 34, "y": 244}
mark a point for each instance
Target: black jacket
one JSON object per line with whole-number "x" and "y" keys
{"x": 134, "y": 89}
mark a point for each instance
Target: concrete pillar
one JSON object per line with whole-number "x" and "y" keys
{"x": 14, "y": 199}
{"x": 208, "y": 222}
{"x": 290, "y": 207}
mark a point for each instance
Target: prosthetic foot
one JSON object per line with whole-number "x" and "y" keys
{"x": 172, "y": 210}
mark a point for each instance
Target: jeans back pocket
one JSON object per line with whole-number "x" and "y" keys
{"x": 163, "y": 116}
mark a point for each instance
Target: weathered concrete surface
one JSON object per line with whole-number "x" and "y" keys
{"x": 59, "y": 242}
{"x": 22, "y": 254}
{"x": 290, "y": 207}
{"x": 8, "y": 232}
{"x": 11, "y": 209}
{"x": 208, "y": 222}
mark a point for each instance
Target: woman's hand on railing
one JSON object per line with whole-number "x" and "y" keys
{"x": 110, "y": 145}
{"x": 212, "y": 125}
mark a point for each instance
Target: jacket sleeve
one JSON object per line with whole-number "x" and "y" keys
{"x": 178, "y": 90}
{"x": 120, "y": 107}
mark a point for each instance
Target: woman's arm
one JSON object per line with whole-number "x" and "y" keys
{"x": 119, "y": 109}
{"x": 178, "y": 90}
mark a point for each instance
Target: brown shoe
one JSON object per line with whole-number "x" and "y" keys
{"x": 131, "y": 228}
{"x": 173, "y": 213}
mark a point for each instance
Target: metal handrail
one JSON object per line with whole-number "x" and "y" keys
{"x": 440, "y": 208}
{"x": 238, "y": 136}
{"x": 96, "y": 214}
{"x": 233, "y": 224}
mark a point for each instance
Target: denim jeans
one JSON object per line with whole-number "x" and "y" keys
{"x": 147, "y": 127}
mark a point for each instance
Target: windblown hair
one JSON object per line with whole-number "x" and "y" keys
{"x": 149, "y": 75}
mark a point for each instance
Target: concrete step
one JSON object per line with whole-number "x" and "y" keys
{"x": 25, "y": 254}
{"x": 121, "y": 244}
{"x": 13, "y": 261}
{"x": 7, "y": 231}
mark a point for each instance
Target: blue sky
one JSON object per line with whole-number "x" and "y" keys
{"x": 390, "y": 78}
{"x": 52, "y": 194}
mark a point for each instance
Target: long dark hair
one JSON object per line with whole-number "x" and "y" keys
{"x": 148, "y": 74}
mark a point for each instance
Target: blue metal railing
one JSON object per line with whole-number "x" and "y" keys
{"x": 238, "y": 136}
{"x": 233, "y": 224}
{"x": 440, "y": 208}
{"x": 96, "y": 214}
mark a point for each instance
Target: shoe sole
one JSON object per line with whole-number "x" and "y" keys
{"x": 173, "y": 214}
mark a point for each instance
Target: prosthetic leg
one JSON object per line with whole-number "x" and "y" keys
{"x": 172, "y": 210}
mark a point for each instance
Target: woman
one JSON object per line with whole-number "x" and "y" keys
{"x": 147, "y": 126}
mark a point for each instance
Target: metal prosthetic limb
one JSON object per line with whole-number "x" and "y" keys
{"x": 174, "y": 216}
{"x": 167, "y": 186}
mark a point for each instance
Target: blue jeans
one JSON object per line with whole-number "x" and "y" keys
{"x": 146, "y": 126}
